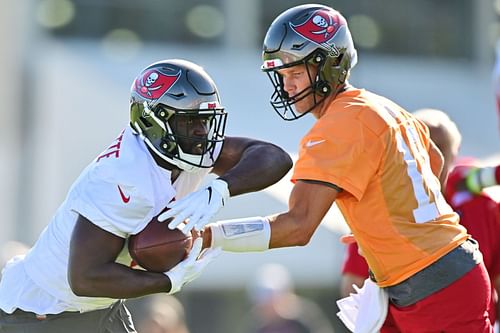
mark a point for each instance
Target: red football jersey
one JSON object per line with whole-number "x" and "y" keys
{"x": 354, "y": 263}
{"x": 480, "y": 214}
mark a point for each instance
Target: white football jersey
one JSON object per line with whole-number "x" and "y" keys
{"x": 120, "y": 191}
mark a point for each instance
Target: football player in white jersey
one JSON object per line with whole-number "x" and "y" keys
{"x": 79, "y": 270}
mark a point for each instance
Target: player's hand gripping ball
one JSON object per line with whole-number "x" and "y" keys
{"x": 157, "y": 248}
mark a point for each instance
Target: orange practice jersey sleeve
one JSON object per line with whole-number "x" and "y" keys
{"x": 378, "y": 153}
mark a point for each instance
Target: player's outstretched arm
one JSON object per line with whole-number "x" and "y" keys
{"x": 93, "y": 272}
{"x": 249, "y": 165}
{"x": 244, "y": 165}
{"x": 309, "y": 202}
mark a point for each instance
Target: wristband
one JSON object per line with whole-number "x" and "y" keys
{"x": 242, "y": 235}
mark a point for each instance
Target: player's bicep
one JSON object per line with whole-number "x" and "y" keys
{"x": 231, "y": 153}
{"x": 91, "y": 247}
{"x": 312, "y": 199}
{"x": 308, "y": 204}
{"x": 252, "y": 153}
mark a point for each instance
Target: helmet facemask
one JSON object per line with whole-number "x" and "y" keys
{"x": 175, "y": 108}
{"x": 177, "y": 142}
{"x": 318, "y": 88}
{"x": 193, "y": 148}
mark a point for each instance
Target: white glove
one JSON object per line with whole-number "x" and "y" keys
{"x": 199, "y": 207}
{"x": 191, "y": 267}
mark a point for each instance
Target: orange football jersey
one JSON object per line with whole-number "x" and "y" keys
{"x": 378, "y": 154}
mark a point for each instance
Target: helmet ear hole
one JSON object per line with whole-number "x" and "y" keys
{"x": 162, "y": 114}
{"x": 168, "y": 144}
{"x": 319, "y": 58}
{"x": 323, "y": 88}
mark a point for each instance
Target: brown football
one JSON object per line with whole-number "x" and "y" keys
{"x": 157, "y": 248}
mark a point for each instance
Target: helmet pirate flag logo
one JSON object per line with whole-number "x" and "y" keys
{"x": 152, "y": 84}
{"x": 320, "y": 28}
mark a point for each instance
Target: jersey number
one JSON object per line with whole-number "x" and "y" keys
{"x": 427, "y": 209}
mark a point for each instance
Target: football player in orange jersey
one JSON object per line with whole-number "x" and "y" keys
{"x": 478, "y": 213}
{"x": 376, "y": 161}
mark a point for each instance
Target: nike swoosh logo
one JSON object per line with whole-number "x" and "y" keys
{"x": 311, "y": 143}
{"x": 125, "y": 199}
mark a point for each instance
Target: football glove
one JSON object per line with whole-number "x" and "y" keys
{"x": 199, "y": 207}
{"x": 191, "y": 267}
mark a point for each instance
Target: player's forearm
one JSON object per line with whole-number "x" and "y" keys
{"x": 290, "y": 230}
{"x": 260, "y": 166}
{"x": 117, "y": 281}
{"x": 256, "y": 233}
{"x": 309, "y": 202}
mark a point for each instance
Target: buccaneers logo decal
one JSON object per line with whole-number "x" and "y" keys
{"x": 153, "y": 83}
{"x": 320, "y": 28}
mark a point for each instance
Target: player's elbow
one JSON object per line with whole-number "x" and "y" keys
{"x": 78, "y": 284}
{"x": 283, "y": 159}
{"x": 286, "y": 160}
{"x": 276, "y": 158}
{"x": 80, "y": 292}
{"x": 77, "y": 287}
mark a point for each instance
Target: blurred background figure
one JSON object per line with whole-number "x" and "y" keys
{"x": 354, "y": 270}
{"x": 445, "y": 134}
{"x": 278, "y": 309}
{"x": 478, "y": 213}
{"x": 9, "y": 250}
{"x": 477, "y": 179}
{"x": 159, "y": 313}
{"x": 496, "y": 79}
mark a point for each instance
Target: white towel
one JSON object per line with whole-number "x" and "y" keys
{"x": 366, "y": 310}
